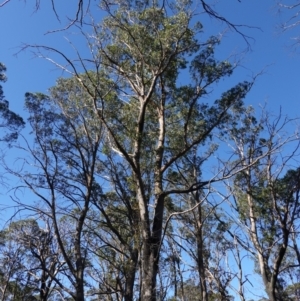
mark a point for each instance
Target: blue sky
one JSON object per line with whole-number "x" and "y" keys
{"x": 270, "y": 51}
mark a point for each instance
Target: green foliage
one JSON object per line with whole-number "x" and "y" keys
{"x": 293, "y": 292}
{"x": 10, "y": 122}
{"x": 121, "y": 147}
{"x": 20, "y": 266}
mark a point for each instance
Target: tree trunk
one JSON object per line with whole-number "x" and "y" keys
{"x": 130, "y": 277}
{"x": 270, "y": 292}
{"x": 200, "y": 254}
{"x": 150, "y": 254}
{"x": 152, "y": 240}
{"x": 79, "y": 287}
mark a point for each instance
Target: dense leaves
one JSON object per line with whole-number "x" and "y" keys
{"x": 10, "y": 122}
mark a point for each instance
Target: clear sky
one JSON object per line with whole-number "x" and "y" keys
{"x": 279, "y": 85}
{"x": 270, "y": 52}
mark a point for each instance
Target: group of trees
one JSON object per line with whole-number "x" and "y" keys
{"x": 132, "y": 195}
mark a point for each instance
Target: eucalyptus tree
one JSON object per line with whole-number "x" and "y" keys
{"x": 152, "y": 121}
{"x": 13, "y": 277}
{"x": 114, "y": 223}
{"x": 27, "y": 258}
{"x": 109, "y": 140}
{"x": 266, "y": 198}
{"x": 196, "y": 233}
{"x": 94, "y": 229}
{"x": 64, "y": 156}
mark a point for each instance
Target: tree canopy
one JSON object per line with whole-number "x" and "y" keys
{"x": 145, "y": 180}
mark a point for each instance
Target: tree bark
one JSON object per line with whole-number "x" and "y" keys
{"x": 130, "y": 276}
{"x": 200, "y": 254}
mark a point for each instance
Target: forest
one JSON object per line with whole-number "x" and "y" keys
{"x": 143, "y": 179}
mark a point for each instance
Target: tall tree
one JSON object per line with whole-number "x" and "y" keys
{"x": 117, "y": 146}
{"x": 154, "y": 122}
{"x": 65, "y": 154}
{"x": 151, "y": 122}
{"x": 266, "y": 197}
{"x": 28, "y": 260}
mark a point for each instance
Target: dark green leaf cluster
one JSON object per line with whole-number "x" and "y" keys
{"x": 10, "y": 122}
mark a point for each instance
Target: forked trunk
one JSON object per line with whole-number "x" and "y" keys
{"x": 150, "y": 255}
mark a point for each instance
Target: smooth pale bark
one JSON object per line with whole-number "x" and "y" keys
{"x": 269, "y": 274}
